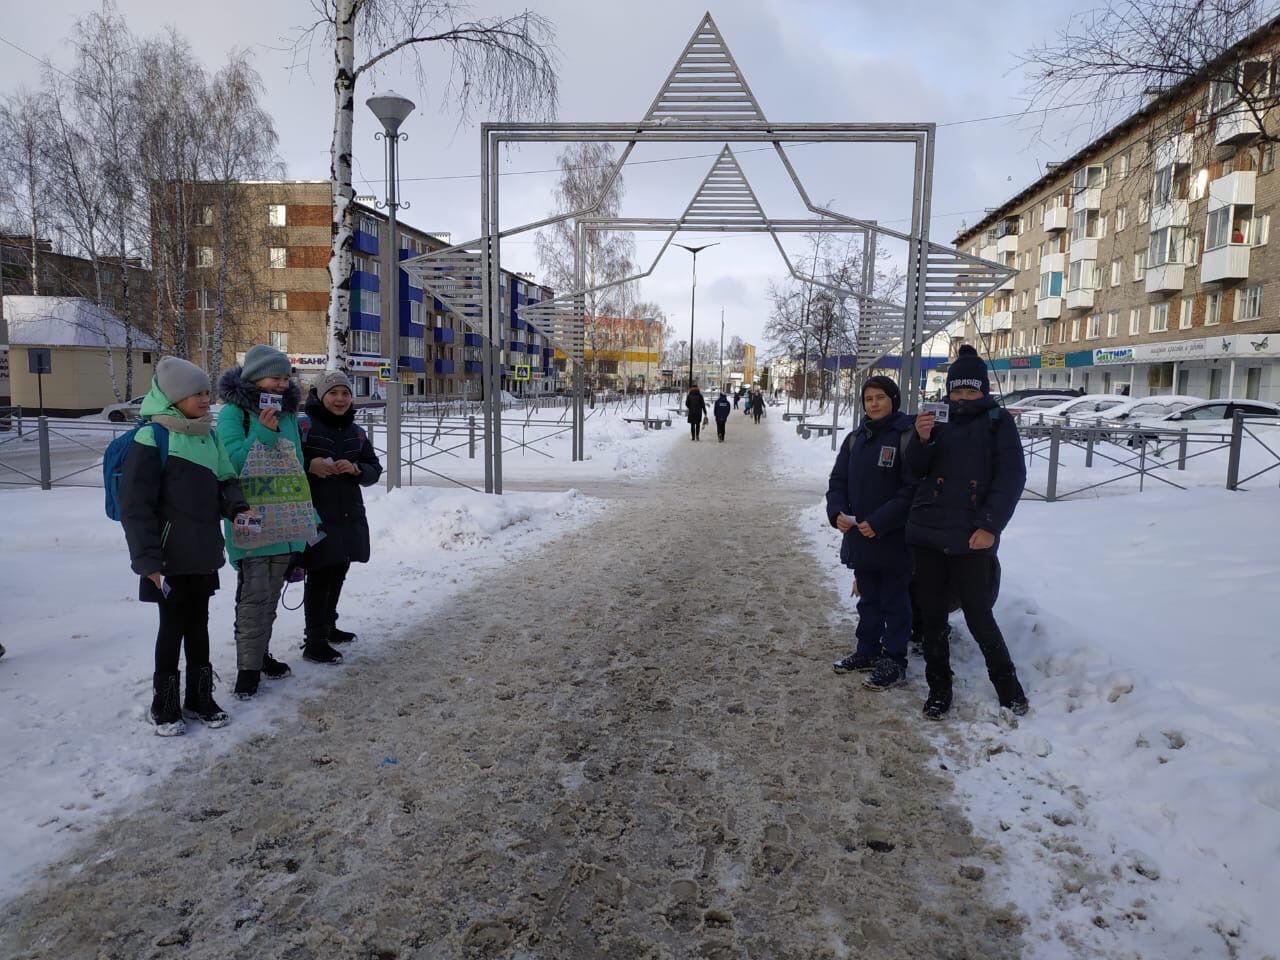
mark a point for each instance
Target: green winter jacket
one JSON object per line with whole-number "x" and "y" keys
{"x": 170, "y": 514}
{"x": 236, "y": 441}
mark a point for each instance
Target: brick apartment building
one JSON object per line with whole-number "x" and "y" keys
{"x": 1144, "y": 261}
{"x": 439, "y": 356}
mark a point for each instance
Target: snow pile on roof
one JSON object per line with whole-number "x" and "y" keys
{"x": 66, "y": 322}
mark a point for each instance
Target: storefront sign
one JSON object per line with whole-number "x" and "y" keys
{"x": 1185, "y": 350}
{"x": 367, "y": 364}
{"x": 308, "y": 361}
{"x": 1257, "y": 345}
{"x": 1053, "y": 361}
{"x": 1113, "y": 355}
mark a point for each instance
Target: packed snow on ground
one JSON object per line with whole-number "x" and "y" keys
{"x": 1138, "y": 804}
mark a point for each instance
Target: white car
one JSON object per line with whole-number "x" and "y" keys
{"x": 1214, "y": 416}
{"x": 1087, "y": 408}
{"x": 120, "y": 412}
{"x": 1148, "y": 408}
{"x": 1027, "y": 408}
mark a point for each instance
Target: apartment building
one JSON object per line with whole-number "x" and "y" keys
{"x": 438, "y": 356}
{"x": 1144, "y": 261}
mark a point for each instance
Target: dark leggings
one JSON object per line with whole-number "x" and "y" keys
{"x": 937, "y": 576}
{"x": 183, "y": 623}
{"x": 694, "y": 428}
{"x": 320, "y": 599}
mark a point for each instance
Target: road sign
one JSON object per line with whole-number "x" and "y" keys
{"x": 384, "y": 373}
{"x": 39, "y": 360}
{"x": 522, "y": 371}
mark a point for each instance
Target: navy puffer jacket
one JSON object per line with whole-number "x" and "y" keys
{"x": 971, "y": 474}
{"x": 870, "y": 482}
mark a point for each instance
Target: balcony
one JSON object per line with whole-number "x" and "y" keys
{"x": 1230, "y": 262}
{"x": 1053, "y": 263}
{"x": 1172, "y": 213}
{"x": 1235, "y": 126}
{"x": 1166, "y": 278}
{"x": 442, "y": 366}
{"x": 472, "y": 366}
{"x": 1088, "y": 199}
{"x": 1084, "y": 249}
{"x": 987, "y": 252}
{"x": 442, "y": 335}
{"x": 1235, "y": 189}
{"x": 984, "y": 324}
{"x": 472, "y": 340}
{"x": 1057, "y": 218}
{"x": 1002, "y": 320}
{"x": 1007, "y": 244}
{"x": 1081, "y": 299}
{"x": 1175, "y": 151}
{"x": 1008, "y": 284}
{"x": 1050, "y": 308}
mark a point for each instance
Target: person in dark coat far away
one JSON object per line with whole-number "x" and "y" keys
{"x": 721, "y": 411}
{"x": 696, "y": 404}
{"x": 971, "y": 473}
{"x": 757, "y": 405}
{"x": 339, "y": 460}
{"x": 868, "y": 497}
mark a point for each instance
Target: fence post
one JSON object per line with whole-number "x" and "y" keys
{"x": 19, "y": 421}
{"x": 1182, "y": 450}
{"x": 1233, "y": 457}
{"x": 471, "y": 436}
{"x": 1051, "y": 485}
{"x": 1088, "y": 450}
{"x": 46, "y": 468}
{"x": 1142, "y": 469}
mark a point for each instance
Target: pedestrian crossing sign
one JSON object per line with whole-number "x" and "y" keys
{"x": 384, "y": 373}
{"x": 523, "y": 372}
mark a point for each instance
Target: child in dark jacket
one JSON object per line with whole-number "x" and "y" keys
{"x": 721, "y": 411}
{"x": 868, "y": 496}
{"x": 340, "y": 460}
{"x": 971, "y": 476}
{"x": 171, "y": 514}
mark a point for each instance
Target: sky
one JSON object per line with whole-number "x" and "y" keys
{"x": 954, "y": 64}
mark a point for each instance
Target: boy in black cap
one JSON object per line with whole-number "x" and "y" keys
{"x": 971, "y": 476}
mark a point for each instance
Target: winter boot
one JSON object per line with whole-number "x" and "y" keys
{"x": 319, "y": 651}
{"x": 340, "y": 636}
{"x": 1009, "y": 690}
{"x": 861, "y": 662}
{"x": 274, "y": 669}
{"x": 938, "y": 702}
{"x": 247, "y": 684}
{"x": 200, "y": 703}
{"x": 166, "y": 714}
{"x": 886, "y": 675}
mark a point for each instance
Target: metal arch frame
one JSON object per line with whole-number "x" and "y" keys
{"x": 705, "y": 98}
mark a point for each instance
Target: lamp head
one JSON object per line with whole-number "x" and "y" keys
{"x": 391, "y": 109}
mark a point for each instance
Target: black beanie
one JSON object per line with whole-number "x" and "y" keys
{"x": 888, "y": 386}
{"x": 968, "y": 370}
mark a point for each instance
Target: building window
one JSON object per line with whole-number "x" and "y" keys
{"x": 1062, "y": 331}
{"x": 1184, "y": 314}
{"x": 1122, "y": 218}
{"x": 1094, "y": 330}
{"x": 1260, "y": 229}
{"x": 277, "y": 300}
{"x": 1080, "y": 276}
{"x": 1159, "y": 317}
{"x": 1166, "y": 245}
{"x": 1135, "y": 321}
{"x": 1086, "y": 178}
{"x": 415, "y": 313}
{"x": 1218, "y": 231}
{"x": 1144, "y": 210}
{"x": 1192, "y": 247}
{"x": 275, "y": 215}
{"x": 206, "y": 217}
{"x": 1212, "y": 309}
{"x": 204, "y": 300}
{"x": 279, "y": 339}
{"x": 411, "y": 347}
{"x": 369, "y": 225}
{"x": 1268, "y": 158}
{"x": 1075, "y": 331}
{"x": 1117, "y": 270}
{"x": 1113, "y": 323}
{"x": 204, "y": 256}
{"x": 366, "y": 341}
{"x": 1249, "y": 303}
{"x": 1139, "y": 265}
{"x": 1122, "y": 166}
{"x": 277, "y": 257}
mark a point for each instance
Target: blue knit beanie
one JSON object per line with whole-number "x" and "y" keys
{"x": 264, "y": 361}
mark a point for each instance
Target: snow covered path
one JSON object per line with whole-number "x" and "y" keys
{"x": 630, "y": 745}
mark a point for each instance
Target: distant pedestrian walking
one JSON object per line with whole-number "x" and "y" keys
{"x": 721, "y": 410}
{"x": 868, "y": 498}
{"x": 757, "y": 405}
{"x": 696, "y": 404}
{"x": 971, "y": 473}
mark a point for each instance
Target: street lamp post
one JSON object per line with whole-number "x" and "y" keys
{"x": 391, "y": 109}
{"x": 693, "y": 298}
{"x": 648, "y": 348}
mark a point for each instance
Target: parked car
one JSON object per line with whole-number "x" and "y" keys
{"x": 1090, "y": 406}
{"x": 1029, "y": 406}
{"x": 120, "y": 412}
{"x": 1147, "y": 408}
{"x": 1016, "y": 397}
{"x": 1213, "y": 416}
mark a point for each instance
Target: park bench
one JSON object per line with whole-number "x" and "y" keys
{"x": 808, "y": 430}
{"x": 651, "y": 423}
{"x": 795, "y": 416}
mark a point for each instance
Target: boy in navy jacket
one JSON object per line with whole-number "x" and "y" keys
{"x": 971, "y": 474}
{"x": 868, "y": 498}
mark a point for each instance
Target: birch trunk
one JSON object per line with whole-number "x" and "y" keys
{"x": 343, "y": 235}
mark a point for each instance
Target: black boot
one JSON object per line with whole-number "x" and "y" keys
{"x": 274, "y": 669}
{"x": 200, "y": 703}
{"x": 247, "y": 684}
{"x": 166, "y": 713}
{"x": 1009, "y": 690}
{"x": 340, "y": 636}
{"x": 319, "y": 651}
{"x": 938, "y": 702}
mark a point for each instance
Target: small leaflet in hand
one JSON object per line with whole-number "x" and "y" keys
{"x": 941, "y": 411}
{"x": 249, "y": 523}
{"x": 270, "y": 401}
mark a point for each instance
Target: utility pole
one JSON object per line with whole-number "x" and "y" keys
{"x": 693, "y": 298}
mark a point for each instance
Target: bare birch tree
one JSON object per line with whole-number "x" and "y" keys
{"x": 506, "y": 63}
{"x": 24, "y": 169}
{"x": 1106, "y": 60}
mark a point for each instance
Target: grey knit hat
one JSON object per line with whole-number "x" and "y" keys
{"x": 179, "y": 379}
{"x": 263, "y": 361}
{"x": 333, "y": 378}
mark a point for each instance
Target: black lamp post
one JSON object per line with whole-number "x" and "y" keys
{"x": 693, "y": 298}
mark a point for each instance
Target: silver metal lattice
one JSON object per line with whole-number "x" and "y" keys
{"x": 455, "y": 277}
{"x": 705, "y": 84}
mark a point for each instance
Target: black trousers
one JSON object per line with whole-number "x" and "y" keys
{"x": 184, "y": 622}
{"x": 720, "y": 428}
{"x": 756, "y": 414}
{"x": 320, "y": 599}
{"x": 695, "y": 428}
{"x": 938, "y": 576}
